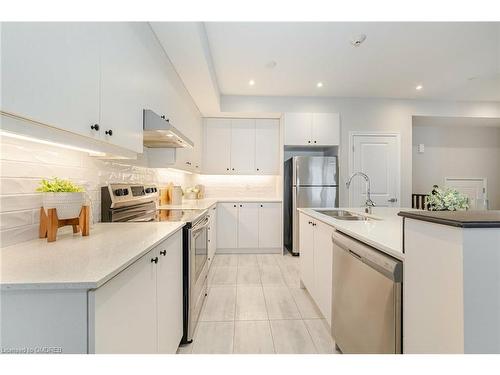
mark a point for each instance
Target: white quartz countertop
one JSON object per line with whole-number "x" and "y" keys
{"x": 76, "y": 262}
{"x": 385, "y": 234}
{"x": 203, "y": 204}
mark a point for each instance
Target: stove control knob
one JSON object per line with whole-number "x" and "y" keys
{"x": 149, "y": 190}
{"x": 121, "y": 192}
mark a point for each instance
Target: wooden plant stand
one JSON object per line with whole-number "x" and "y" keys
{"x": 49, "y": 223}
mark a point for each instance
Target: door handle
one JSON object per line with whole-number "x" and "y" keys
{"x": 392, "y": 200}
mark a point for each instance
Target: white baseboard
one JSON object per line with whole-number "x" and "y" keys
{"x": 275, "y": 250}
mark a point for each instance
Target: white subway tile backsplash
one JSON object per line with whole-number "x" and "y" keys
{"x": 18, "y": 234}
{"x": 14, "y": 219}
{"x": 20, "y": 202}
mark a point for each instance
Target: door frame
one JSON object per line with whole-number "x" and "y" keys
{"x": 371, "y": 133}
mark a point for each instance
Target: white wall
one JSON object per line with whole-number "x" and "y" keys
{"x": 457, "y": 152}
{"x": 366, "y": 114}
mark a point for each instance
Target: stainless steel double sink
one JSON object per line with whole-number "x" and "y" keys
{"x": 343, "y": 215}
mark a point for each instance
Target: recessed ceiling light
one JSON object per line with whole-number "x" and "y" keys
{"x": 319, "y": 84}
{"x": 419, "y": 87}
{"x": 251, "y": 82}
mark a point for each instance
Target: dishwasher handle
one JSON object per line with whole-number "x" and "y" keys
{"x": 383, "y": 263}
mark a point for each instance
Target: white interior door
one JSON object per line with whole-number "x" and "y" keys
{"x": 474, "y": 188}
{"x": 376, "y": 155}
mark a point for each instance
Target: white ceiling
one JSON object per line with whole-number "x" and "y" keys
{"x": 458, "y": 61}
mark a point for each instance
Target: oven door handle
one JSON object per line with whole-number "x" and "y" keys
{"x": 200, "y": 227}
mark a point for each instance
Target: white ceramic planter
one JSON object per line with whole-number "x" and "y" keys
{"x": 68, "y": 205}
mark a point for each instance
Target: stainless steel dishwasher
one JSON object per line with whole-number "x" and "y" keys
{"x": 366, "y": 298}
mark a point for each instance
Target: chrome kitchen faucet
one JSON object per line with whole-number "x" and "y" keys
{"x": 369, "y": 204}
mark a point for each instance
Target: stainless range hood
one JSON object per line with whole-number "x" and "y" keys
{"x": 160, "y": 133}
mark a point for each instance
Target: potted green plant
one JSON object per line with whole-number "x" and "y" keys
{"x": 447, "y": 199}
{"x": 63, "y": 195}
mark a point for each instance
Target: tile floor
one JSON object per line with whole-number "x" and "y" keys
{"x": 255, "y": 306}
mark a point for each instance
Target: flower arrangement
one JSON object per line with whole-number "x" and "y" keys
{"x": 447, "y": 199}
{"x": 58, "y": 185}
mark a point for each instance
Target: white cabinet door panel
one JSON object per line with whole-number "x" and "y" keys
{"x": 270, "y": 225}
{"x": 243, "y": 146}
{"x": 217, "y": 146}
{"x": 325, "y": 129}
{"x": 248, "y": 225}
{"x": 125, "y": 82}
{"x": 125, "y": 310}
{"x": 306, "y": 245}
{"x": 227, "y": 225}
{"x": 212, "y": 234}
{"x": 323, "y": 269}
{"x": 169, "y": 294}
{"x": 297, "y": 129}
{"x": 267, "y": 142}
{"x": 50, "y": 73}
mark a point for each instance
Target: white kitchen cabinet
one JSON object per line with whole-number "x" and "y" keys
{"x": 269, "y": 225}
{"x": 140, "y": 309}
{"x": 297, "y": 127}
{"x": 50, "y": 73}
{"x": 125, "y": 311}
{"x": 306, "y": 246}
{"x": 169, "y": 292}
{"x": 217, "y": 146}
{"x": 323, "y": 268}
{"x": 312, "y": 129}
{"x": 267, "y": 141}
{"x": 212, "y": 234}
{"x": 243, "y": 146}
{"x": 124, "y": 82}
{"x": 325, "y": 129}
{"x": 248, "y": 225}
{"x": 316, "y": 262}
{"x": 227, "y": 225}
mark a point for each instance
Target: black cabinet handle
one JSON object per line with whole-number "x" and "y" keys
{"x": 234, "y": 206}
{"x": 227, "y": 169}
{"x": 241, "y": 205}
{"x": 314, "y": 141}
{"x": 188, "y": 163}
{"x": 163, "y": 252}
{"x": 310, "y": 222}
{"x": 308, "y": 141}
{"x": 154, "y": 260}
{"x": 95, "y": 127}
{"x": 233, "y": 169}
{"x": 258, "y": 169}
{"x": 109, "y": 132}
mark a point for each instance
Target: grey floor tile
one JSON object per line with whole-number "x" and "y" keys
{"x": 220, "y": 304}
{"x": 214, "y": 338}
{"x": 250, "y": 303}
{"x": 226, "y": 260}
{"x": 271, "y": 275}
{"x": 280, "y": 303}
{"x": 305, "y": 303}
{"x": 266, "y": 260}
{"x": 253, "y": 337}
{"x": 245, "y": 260}
{"x": 224, "y": 275}
{"x": 291, "y": 337}
{"x": 321, "y": 337}
{"x": 248, "y": 275}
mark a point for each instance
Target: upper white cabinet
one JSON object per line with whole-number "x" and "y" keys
{"x": 241, "y": 146}
{"x": 267, "y": 140}
{"x": 50, "y": 73}
{"x": 312, "y": 129}
{"x": 124, "y": 82}
{"x": 217, "y": 146}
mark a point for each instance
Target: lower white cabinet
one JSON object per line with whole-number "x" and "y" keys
{"x": 227, "y": 225}
{"x": 212, "y": 234}
{"x": 249, "y": 225}
{"x": 316, "y": 262}
{"x": 140, "y": 309}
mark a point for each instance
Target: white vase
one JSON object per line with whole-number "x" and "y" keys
{"x": 68, "y": 205}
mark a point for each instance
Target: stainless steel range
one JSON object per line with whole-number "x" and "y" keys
{"x": 138, "y": 203}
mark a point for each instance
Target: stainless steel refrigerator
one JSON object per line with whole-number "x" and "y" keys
{"x": 310, "y": 182}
